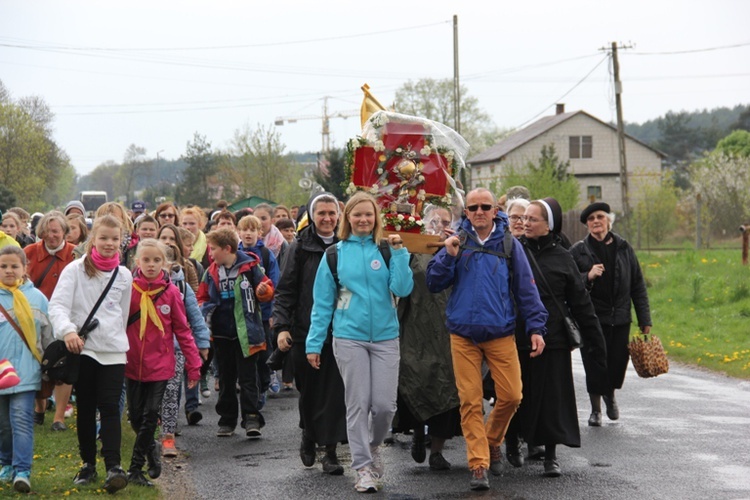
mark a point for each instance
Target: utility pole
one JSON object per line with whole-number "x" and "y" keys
{"x": 621, "y": 140}
{"x": 457, "y": 94}
{"x": 456, "y": 85}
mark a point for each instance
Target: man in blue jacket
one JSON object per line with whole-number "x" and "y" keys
{"x": 490, "y": 284}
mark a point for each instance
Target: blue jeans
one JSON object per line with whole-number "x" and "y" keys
{"x": 17, "y": 430}
{"x": 191, "y": 395}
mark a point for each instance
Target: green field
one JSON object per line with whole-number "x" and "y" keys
{"x": 56, "y": 461}
{"x": 700, "y": 307}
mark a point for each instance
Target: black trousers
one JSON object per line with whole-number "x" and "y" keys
{"x": 99, "y": 387}
{"x": 234, "y": 368}
{"x": 264, "y": 372}
{"x": 144, "y": 410}
{"x": 617, "y": 338}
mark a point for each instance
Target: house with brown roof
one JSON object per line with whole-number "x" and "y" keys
{"x": 591, "y": 146}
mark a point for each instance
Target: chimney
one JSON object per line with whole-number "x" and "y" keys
{"x": 560, "y": 108}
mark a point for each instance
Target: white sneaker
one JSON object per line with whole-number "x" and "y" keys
{"x": 365, "y": 482}
{"x": 377, "y": 461}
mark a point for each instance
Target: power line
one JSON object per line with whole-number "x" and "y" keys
{"x": 222, "y": 47}
{"x": 564, "y": 95}
{"x": 691, "y": 51}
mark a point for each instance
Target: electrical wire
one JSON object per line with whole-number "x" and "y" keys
{"x": 564, "y": 95}
{"x": 689, "y": 51}
{"x": 225, "y": 47}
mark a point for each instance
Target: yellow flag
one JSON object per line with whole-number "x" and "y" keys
{"x": 369, "y": 105}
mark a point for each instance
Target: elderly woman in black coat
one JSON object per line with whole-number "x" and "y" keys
{"x": 613, "y": 276}
{"x": 548, "y": 413}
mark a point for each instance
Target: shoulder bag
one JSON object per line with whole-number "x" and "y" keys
{"x": 61, "y": 365}
{"x": 571, "y": 327}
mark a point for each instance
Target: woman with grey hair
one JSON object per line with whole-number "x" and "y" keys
{"x": 614, "y": 279}
{"x": 46, "y": 260}
{"x": 515, "y": 210}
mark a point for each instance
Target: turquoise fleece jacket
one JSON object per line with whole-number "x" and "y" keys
{"x": 365, "y": 309}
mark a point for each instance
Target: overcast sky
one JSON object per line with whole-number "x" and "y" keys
{"x": 154, "y": 72}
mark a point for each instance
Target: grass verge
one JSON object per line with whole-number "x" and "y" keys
{"x": 56, "y": 461}
{"x": 700, "y": 307}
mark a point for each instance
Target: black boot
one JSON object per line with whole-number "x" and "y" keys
{"x": 307, "y": 451}
{"x": 613, "y": 411}
{"x": 595, "y": 420}
{"x": 331, "y": 463}
{"x": 153, "y": 458}
{"x": 418, "y": 448}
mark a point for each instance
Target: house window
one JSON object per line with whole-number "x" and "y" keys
{"x": 594, "y": 193}
{"x": 492, "y": 169}
{"x": 581, "y": 146}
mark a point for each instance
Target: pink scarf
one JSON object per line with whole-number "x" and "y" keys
{"x": 103, "y": 263}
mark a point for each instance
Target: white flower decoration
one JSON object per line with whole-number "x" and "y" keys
{"x": 411, "y": 218}
{"x": 378, "y": 146}
{"x": 399, "y": 150}
{"x": 397, "y": 228}
{"x": 421, "y": 195}
{"x": 425, "y": 151}
{"x": 374, "y": 189}
{"x": 400, "y": 216}
{"x": 380, "y": 170}
{"x": 420, "y": 223}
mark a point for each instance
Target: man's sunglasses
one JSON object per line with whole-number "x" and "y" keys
{"x": 486, "y": 207}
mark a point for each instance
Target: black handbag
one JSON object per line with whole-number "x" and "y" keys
{"x": 571, "y": 327}
{"x": 61, "y": 365}
{"x": 276, "y": 360}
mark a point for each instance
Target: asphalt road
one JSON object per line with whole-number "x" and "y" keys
{"x": 682, "y": 435}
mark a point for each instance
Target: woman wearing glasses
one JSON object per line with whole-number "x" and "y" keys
{"x": 516, "y": 209}
{"x": 614, "y": 279}
{"x": 548, "y": 415}
{"x": 166, "y": 213}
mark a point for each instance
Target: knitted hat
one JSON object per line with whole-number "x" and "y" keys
{"x": 8, "y": 376}
{"x": 554, "y": 214}
{"x": 594, "y": 207}
{"x": 74, "y": 204}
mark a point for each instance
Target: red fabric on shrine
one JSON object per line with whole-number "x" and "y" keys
{"x": 365, "y": 171}
{"x": 402, "y": 135}
{"x": 435, "y": 172}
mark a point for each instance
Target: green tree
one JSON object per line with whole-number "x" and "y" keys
{"x": 197, "y": 186}
{"x": 547, "y": 177}
{"x": 656, "y": 201}
{"x": 24, "y": 155}
{"x": 7, "y": 198}
{"x": 134, "y": 164}
{"x": 735, "y": 144}
{"x": 256, "y": 163}
{"x": 743, "y": 121}
{"x": 334, "y": 182}
{"x": 433, "y": 99}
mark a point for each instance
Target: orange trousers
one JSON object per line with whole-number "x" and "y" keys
{"x": 502, "y": 359}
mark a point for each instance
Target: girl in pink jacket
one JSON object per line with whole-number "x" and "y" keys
{"x": 157, "y": 317}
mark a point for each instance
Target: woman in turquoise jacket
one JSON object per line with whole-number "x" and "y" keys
{"x": 365, "y": 329}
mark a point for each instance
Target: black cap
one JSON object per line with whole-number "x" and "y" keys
{"x": 594, "y": 207}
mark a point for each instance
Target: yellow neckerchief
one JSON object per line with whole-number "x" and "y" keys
{"x": 199, "y": 247}
{"x": 25, "y": 317}
{"x": 148, "y": 309}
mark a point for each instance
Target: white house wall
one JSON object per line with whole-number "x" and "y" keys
{"x": 644, "y": 165}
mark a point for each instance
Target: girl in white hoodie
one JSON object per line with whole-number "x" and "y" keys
{"x": 103, "y": 357}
